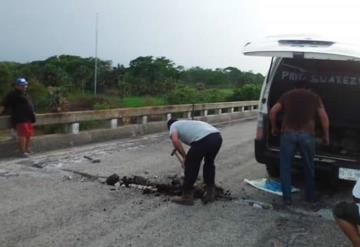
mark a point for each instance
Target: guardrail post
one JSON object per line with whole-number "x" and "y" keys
{"x": 144, "y": 119}
{"x": 187, "y": 115}
{"x": 241, "y": 109}
{"x": 204, "y": 113}
{"x": 73, "y": 128}
{"x": 231, "y": 109}
{"x": 168, "y": 116}
{"x": 218, "y": 111}
{"x": 113, "y": 123}
{"x": 125, "y": 120}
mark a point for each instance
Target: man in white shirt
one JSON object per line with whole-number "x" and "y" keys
{"x": 205, "y": 141}
{"x": 347, "y": 216}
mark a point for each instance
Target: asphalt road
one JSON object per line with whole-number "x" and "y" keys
{"x": 57, "y": 199}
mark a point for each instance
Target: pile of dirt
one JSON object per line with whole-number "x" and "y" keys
{"x": 171, "y": 187}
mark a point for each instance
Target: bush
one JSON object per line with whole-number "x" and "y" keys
{"x": 213, "y": 95}
{"x": 183, "y": 95}
{"x": 101, "y": 106}
{"x": 246, "y": 92}
{"x": 41, "y": 98}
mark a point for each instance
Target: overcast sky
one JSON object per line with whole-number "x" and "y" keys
{"x": 205, "y": 33}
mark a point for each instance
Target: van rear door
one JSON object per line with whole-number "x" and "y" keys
{"x": 333, "y": 72}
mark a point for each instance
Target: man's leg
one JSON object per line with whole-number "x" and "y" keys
{"x": 27, "y": 144}
{"x": 287, "y": 152}
{"x": 213, "y": 144}
{"x": 22, "y": 144}
{"x": 347, "y": 216}
{"x": 192, "y": 166}
{"x": 24, "y": 131}
{"x": 307, "y": 150}
{"x": 22, "y": 138}
{"x": 350, "y": 230}
{"x": 29, "y": 133}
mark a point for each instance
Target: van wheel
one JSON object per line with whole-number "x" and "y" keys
{"x": 328, "y": 181}
{"x": 273, "y": 170}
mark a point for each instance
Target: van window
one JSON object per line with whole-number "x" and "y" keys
{"x": 336, "y": 82}
{"x": 338, "y": 85}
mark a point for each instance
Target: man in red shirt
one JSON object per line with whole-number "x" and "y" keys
{"x": 300, "y": 107}
{"x": 21, "y": 112}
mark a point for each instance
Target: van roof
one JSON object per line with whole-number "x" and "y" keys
{"x": 302, "y": 47}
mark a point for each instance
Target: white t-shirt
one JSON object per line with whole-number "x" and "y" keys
{"x": 192, "y": 130}
{"x": 356, "y": 193}
{"x": 356, "y": 190}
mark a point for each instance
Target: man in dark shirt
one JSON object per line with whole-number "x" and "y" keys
{"x": 22, "y": 114}
{"x": 300, "y": 107}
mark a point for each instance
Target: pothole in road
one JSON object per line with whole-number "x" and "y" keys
{"x": 172, "y": 186}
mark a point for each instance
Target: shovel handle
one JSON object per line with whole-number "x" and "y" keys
{"x": 178, "y": 157}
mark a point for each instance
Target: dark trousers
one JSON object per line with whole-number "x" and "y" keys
{"x": 207, "y": 148}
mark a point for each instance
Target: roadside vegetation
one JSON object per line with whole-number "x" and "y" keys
{"x": 65, "y": 83}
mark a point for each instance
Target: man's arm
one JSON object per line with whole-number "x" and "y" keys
{"x": 273, "y": 116}
{"x": 177, "y": 144}
{"x": 324, "y": 121}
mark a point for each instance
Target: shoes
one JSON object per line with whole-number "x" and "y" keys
{"x": 186, "y": 199}
{"x": 287, "y": 202}
{"x": 315, "y": 206}
{"x": 209, "y": 194}
{"x": 24, "y": 155}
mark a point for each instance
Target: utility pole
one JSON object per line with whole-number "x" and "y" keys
{"x": 96, "y": 46}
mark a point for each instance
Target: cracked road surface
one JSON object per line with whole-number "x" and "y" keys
{"x": 57, "y": 199}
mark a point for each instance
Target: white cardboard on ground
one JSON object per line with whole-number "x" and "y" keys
{"x": 261, "y": 185}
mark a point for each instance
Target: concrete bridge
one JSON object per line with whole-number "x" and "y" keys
{"x": 57, "y": 198}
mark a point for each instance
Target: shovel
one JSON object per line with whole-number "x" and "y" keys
{"x": 178, "y": 157}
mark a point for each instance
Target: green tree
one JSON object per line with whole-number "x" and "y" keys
{"x": 246, "y": 92}
{"x": 148, "y": 75}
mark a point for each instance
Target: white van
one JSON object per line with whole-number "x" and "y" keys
{"x": 333, "y": 72}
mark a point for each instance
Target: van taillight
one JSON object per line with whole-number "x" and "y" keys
{"x": 259, "y": 129}
{"x": 259, "y": 133}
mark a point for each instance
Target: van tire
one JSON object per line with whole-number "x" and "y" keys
{"x": 273, "y": 170}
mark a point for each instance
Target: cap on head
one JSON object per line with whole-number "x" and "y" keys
{"x": 170, "y": 122}
{"x": 21, "y": 82}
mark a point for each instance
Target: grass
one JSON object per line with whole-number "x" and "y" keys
{"x": 113, "y": 101}
{"x": 142, "y": 101}
{"x": 226, "y": 91}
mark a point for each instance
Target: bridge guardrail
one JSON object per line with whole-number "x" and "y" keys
{"x": 124, "y": 122}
